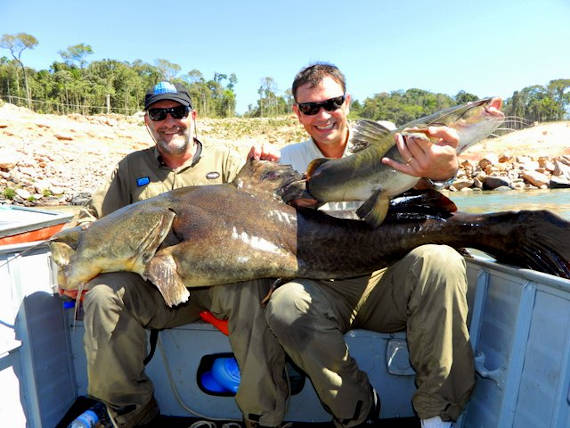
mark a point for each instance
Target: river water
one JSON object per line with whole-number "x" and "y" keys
{"x": 556, "y": 200}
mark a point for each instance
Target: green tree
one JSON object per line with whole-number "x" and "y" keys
{"x": 560, "y": 91}
{"x": 16, "y": 44}
{"x": 269, "y": 103}
{"x": 76, "y": 54}
{"x": 168, "y": 69}
{"x": 463, "y": 97}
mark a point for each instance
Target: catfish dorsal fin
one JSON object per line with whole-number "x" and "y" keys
{"x": 366, "y": 132}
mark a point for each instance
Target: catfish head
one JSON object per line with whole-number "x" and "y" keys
{"x": 473, "y": 121}
{"x": 273, "y": 180}
{"x": 125, "y": 240}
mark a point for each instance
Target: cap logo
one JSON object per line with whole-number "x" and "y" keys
{"x": 164, "y": 88}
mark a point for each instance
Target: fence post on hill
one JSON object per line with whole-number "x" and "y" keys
{"x": 108, "y": 102}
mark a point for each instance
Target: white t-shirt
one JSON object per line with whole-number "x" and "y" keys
{"x": 300, "y": 155}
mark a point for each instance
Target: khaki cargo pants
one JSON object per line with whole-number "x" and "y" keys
{"x": 120, "y": 306}
{"x": 424, "y": 294}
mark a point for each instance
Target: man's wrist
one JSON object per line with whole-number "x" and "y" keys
{"x": 440, "y": 184}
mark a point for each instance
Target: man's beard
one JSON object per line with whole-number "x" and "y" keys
{"x": 176, "y": 146}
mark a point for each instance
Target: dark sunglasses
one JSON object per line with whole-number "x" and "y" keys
{"x": 178, "y": 112}
{"x": 332, "y": 104}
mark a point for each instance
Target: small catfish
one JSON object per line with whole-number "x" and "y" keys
{"x": 363, "y": 177}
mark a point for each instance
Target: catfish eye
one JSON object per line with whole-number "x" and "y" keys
{"x": 272, "y": 175}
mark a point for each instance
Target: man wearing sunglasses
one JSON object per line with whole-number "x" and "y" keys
{"x": 119, "y": 306}
{"x": 422, "y": 294}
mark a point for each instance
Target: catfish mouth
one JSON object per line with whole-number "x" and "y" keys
{"x": 494, "y": 108}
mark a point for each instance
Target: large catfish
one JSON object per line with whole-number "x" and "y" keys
{"x": 362, "y": 177}
{"x": 222, "y": 234}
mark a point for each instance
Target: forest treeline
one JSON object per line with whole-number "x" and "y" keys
{"x": 73, "y": 84}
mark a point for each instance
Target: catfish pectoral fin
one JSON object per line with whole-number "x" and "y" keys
{"x": 161, "y": 271}
{"x": 374, "y": 210}
{"x": 61, "y": 253}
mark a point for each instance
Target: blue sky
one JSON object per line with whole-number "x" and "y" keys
{"x": 484, "y": 47}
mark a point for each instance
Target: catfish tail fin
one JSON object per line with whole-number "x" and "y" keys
{"x": 538, "y": 240}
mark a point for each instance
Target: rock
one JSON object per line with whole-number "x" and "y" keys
{"x": 23, "y": 194}
{"x": 518, "y": 186}
{"x": 42, "y": 185}
{"x": 561, "y": 169}
{"x": 503, "y": 189}
{"x": 478, "y": 183}
{"x": 9, "y": 160}
{"x": 55, "y": 190}
{"x": 545, "y": 163}
{"x": 564, "y": 159}
{"x": 489, "y": 159}
{"x": 462, "y": 183}
{"x": 492, "y": 182}
{"x": 535, "y": 178}
{"x": 559, "y": 182}
{"x": 63, "y": 137}
{"x": 80, "y": 199}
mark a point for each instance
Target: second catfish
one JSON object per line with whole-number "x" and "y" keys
{"x": 363, "y": 177}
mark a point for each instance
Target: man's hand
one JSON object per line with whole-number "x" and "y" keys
{"x": 264, "y": 151}
{"x": 432, "y": 156}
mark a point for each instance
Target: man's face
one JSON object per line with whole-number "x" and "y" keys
{"x": 328, "y": 128}
{"x": 172, "y": 136}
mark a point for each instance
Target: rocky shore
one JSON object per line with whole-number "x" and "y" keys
{"x": 60, "y": 160}
{"x": 508, "y": 172}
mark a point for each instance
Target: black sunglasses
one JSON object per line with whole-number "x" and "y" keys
{"x": 178, "y": 112}
{"x": 332, "y": 104}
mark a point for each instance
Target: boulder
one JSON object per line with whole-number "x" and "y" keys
{"x": 535, "y": 178}
{"x": 506, "y": 157}
{"x": 489, "y": 159}
{"x": 23, "y": 193}
{"x": 559, "y": 182}
{"x": 9, "y": 160}
{"x": 462, "y": 183}
{"x": 561, "y": 169}
{"x": 545, "y": 163}
{"x": 492, "y": 182}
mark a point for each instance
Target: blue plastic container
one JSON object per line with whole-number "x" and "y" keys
{"x": 211, "y": 384}
{"x": 225, "y": 371}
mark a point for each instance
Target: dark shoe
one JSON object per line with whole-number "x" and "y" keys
{"x": 372, "y": 418}
{"x": 374, "y": 413}
{"x": 129, "y": 417}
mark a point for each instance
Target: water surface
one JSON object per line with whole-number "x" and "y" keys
{"x": 557, "y": 200}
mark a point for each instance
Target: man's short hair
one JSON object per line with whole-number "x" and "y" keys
{"x": 314, "y": 74}
{"x": 167, "y": 91}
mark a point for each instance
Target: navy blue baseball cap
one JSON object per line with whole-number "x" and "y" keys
{"x": 167, "y": 91}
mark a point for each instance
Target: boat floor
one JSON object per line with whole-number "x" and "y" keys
{"x": 178, "y": 422}
{"x": 83, "y": 403}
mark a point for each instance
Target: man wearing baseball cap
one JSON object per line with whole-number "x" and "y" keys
{"x": 119, "y": 306}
